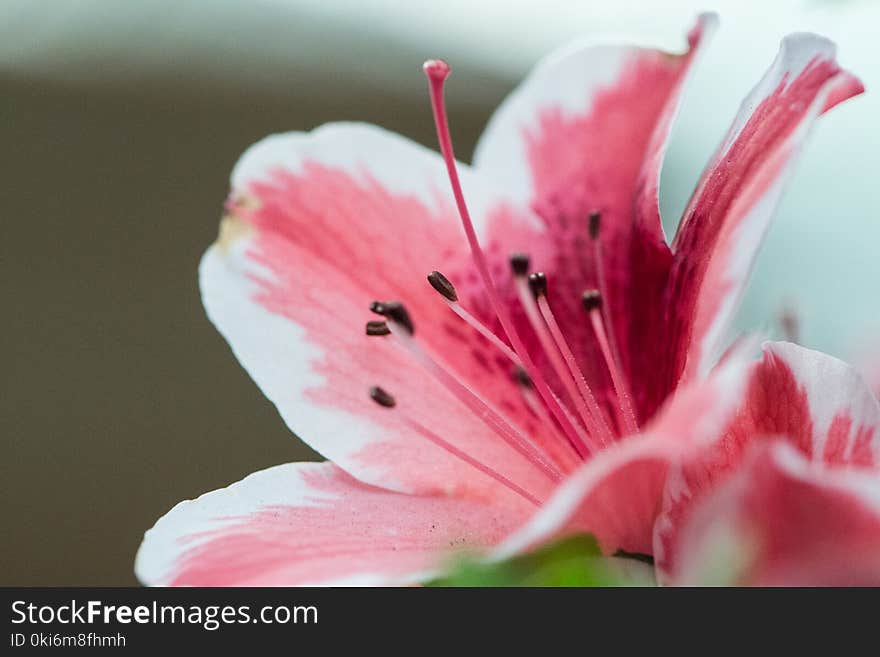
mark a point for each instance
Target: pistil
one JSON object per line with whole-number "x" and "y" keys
{"x": 437, "y": 71}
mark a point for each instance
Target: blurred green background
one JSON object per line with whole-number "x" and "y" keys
{"x": 120, "y": 124}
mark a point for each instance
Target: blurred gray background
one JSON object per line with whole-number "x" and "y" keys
{"x": 120, "y": 122}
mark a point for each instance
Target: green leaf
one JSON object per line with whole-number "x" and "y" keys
{"x": 572, "y": 561}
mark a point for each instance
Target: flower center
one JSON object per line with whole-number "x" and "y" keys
{"x": 577, "y": 433}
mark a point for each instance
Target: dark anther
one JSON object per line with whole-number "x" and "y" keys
{"x": 595, "y": 223}
{"x": 440, "y": 283}
{"x": 519, "y": 263}
{"x": 538, "y": 283}
{"x": 591, "y": 299}
{"x": 788, "y": 322}
{"x": 381, "y": 397}
{"x": 397, "y": 313}
{"x": 522, "y": 377}
{"x": 378, "y": 327}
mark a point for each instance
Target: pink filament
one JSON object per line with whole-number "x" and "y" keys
{"x": 561, "y": 450}
{"x": 482, "y": 467}
{"x": 527, "y": 300}
{"x": 492, "y": 418}
{"x": 610, "y": 332}
{"x": 562, "y": 454}
{"x": 603, "y": 430}
{"x": 483, "y": 330}
{"x": 628, "y": 416}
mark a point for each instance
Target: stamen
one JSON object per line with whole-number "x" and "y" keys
{"x": 561, "y": 450}
{"x": 595, "y": 220}
{"x": 437, "y": 71}
{"x": 582, "y": 435}
{"x": 395, "y": 311}
{"x": 484, "y": 330}
{"x": 377, "y": 328}
{"x": 592, "y": 302}
{"x": 583, "y": 446}
{"x": 482, "y": 467}
{"x": 492, "y": 418}
{"x": 522, "y": 377}
{"x": 538, "y": 283}
{"x": 790, "y": 324}
{"x": 519, "y": 263}
{"x": 382, "y": 398}
{"x": 605, "y": 433}
{"x": 442, "y": 284}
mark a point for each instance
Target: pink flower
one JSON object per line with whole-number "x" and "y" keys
{"x": 790, "y": 493}
{"x": 452, "y": 423}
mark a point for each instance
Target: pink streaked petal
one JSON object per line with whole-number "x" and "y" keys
{"x": 844, "y": 414}
{"x": 726, "y": 220}
{"x": 784, "y": 521}
{"x": 819, "y": 404}
{"x": 320, "y": 225}
{"x": 311, "y": 523}
{"x": 370, "y": 154}
{"x": 586, "y": 112}
{"x": 586, "y": 131}
{"x": 617, "y": 495}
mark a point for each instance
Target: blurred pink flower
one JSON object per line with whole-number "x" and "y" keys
{"x": 790, "y": 494}
{"x": 453, "y": 422}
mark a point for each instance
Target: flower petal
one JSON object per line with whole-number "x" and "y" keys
{"x": 868, "y": 361}
{"x": 616, "y": 496}
{"x": 311, "y": 523}
{"x": 725, "y": 222}
{"x": 840, "y": 421}
{"x": 783, "y": 521}
{"x": 320, "y": 225}
{"x": 587, "y": 131}
{"x": 819, "y": 404}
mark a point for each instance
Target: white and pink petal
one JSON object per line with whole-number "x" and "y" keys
{"x": 320, "y": 225}
{"x": 725, "y": 222}
{"x": 784, "y": 521}
{"x": 617, "y": 494}
{"x": 586, "y": 131}
{"x": 816, "y": 403}
{"x": 313, "y": 524}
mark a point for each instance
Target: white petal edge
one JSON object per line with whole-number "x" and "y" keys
{"x": 399, "y": 164}
{"x": 432, "y": 520}
{"x": 273, "y": 349}
{"x": 567, "y": 78}
{"x": 796, "y": 51}
{"x": 832, "y": 386}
